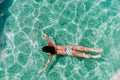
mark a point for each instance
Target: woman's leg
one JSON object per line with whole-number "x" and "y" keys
{"x": 86, "y": 49}
{"x": 81, "y": 54}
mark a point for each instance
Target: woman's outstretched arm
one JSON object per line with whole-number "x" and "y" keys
{"x": 48, "y": 40}
{"x": 46, "y": 65}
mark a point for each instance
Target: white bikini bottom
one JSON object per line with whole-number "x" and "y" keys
{"x": 68, "y": 50}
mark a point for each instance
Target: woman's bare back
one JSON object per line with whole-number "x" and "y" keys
{"x": 70, "y": 51}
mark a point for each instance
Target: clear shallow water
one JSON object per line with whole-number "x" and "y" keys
{"x": 94, "y": 24}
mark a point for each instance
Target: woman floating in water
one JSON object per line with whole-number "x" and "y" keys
{"x": 67, "y": 50}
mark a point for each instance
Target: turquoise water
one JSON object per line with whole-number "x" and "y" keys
{"x": 4, "y": 13}
{"x": 90, "y": 23}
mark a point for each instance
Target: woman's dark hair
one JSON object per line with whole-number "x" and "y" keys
{"x": 49, "y": 49}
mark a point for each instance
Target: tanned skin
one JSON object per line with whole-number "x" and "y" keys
{"x": 61, "y": 50}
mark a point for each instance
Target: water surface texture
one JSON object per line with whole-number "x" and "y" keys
{"x": 90, "y": 23}
{"x": 4, "y": 13}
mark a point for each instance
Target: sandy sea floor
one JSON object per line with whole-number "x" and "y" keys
{"x": 90, "y": 23}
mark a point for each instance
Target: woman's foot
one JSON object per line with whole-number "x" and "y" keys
{"x": 97, "y": 56}
{"x": 99, "y": 50}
